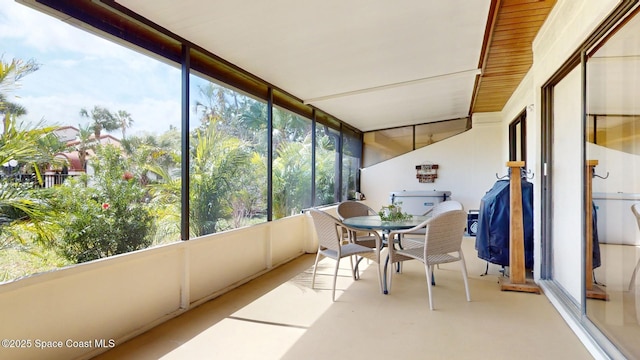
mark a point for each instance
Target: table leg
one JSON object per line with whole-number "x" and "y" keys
{"x": 357, "y": 271}
{"x": 390, "y": 242}
{"x": 384, "y": 278}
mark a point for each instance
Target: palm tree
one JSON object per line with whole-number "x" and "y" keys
{"x": 292, "y": 178}
{"x": 102, "y": 119}
{"x": 25, "y": 210}
{"x": 252, "y": 125}
{"x": 23, "y": 207}
{"x": 150, "y": 152}
{"x": 217, "y": 162}
{"x": 124, "y": 120}
{"x": 215, "y": 104}
{"x": 12, "y": 72}
{"x": 9, "y": 107}
{"x": 10, "y": 75}
{"x": 227, "y": 108}
{"x": 84, "y": 144}
{"x": 20, "y": 203}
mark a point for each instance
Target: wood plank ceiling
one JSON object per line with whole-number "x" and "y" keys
{"x": 508, "y": 52}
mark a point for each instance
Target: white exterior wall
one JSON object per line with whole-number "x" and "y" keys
{"x": 615, "y": 195}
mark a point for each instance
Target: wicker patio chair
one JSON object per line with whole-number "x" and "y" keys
{"x": 330, "y": 244}
{"x": 439, "y": 209}
{"x": 349, "y": 209}
{"x": 442, "y": 244}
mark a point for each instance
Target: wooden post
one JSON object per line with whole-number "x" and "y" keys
{"x": 517, "y": 280}
{"x": 593, "y": 291}
{"x": 516, "y": 226}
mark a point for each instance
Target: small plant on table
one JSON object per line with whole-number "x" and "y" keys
{"x": 393, "y": 212}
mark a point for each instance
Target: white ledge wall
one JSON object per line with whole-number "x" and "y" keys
{"x": 122, "y": 296}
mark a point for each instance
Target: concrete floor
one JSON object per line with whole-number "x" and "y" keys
{"x": 279, "y": 316}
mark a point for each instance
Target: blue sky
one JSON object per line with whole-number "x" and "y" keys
{"x": 80, "y": 70}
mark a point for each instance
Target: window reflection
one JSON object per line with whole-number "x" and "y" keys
{"x": 613, "y": 139}
{"x": 386, "y": 144}
{"x": 428, "y": 134}
{"x": 351, "y": 156}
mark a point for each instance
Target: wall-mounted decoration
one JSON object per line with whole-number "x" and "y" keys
{"x": 427, "y": 173}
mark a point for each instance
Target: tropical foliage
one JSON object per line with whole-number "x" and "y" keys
{"x": 217, "y": 160}
{"x": 130, "y": 197}
{"x": 10, "y": 74}
{"x": 111, "y": 216}
{"x": 24, "y": 150}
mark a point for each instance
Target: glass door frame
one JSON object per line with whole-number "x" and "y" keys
{"x": 576, "y": 311}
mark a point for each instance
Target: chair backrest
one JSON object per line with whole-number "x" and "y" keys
{"x": 635, "y": 208}
{"x": 444, "y": 232}
{"x": 349, "y": 209}
{"x": 444, "y": 207}
{"x": 326, "y": 229}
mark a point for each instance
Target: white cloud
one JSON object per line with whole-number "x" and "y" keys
{"x": 47, "y": 34}
{"x": 79, "y": 70}
{"x": 53, "y": 109}
{"x": 149, "y": 115}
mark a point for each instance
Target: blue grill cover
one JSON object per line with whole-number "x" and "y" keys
{"x": 596, "y": 243}
{"x": 492, "y": 237}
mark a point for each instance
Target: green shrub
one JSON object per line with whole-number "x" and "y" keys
{"x": 109, "y": 216}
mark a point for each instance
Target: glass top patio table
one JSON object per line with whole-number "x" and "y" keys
{"x": 373, "y": 222}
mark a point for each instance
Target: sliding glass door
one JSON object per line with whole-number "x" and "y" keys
{"x": 612, "y": 147}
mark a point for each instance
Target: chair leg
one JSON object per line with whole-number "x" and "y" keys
{"x": 335, "y": 278}
{"x": 632, "y": 283}
{"x": 389, "y": 274}
{"x": 380, "y": 277}
{"x": 353, "y": 270}
{"x": 428, "y": 269}
{"x": 465, "y": 275}
{"x": 399, "y": 263}
{"x": 315, "y": 267}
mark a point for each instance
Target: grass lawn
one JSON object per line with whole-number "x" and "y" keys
{"x": 32, "y": 259}
{"x": 15, "y": 263}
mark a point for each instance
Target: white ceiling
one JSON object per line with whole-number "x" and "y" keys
{"x": 372, "y": 63}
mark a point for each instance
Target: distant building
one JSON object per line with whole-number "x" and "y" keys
{"x": 56, "y": 175}
{"x": 66, "y": 133}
